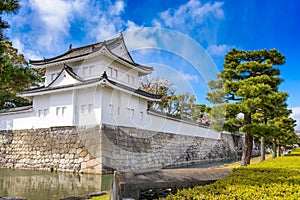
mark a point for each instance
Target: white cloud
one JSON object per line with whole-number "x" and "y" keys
{"x": 117, "y": 8}
{"x": 18, "y": 44}
{"x": 138, "y": 37}
{"x": 190, "y": 14}
{"x": 189, "y": 77}
{"x": 296, "y": 116}
{"x": 49, "y": 24}
{"x": 218, "y": 50}
{"x": 104, "y": 20}
{"x": 195, "y": 19}
{"x": 52, "y": 21}
{"x": 22, "y": 50}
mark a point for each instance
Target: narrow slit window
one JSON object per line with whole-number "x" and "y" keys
{"x": 53, "y": 76}
{"x": 40, "y": 113}
{"x": 91, "y": 108}
{"x": 110, "y": 71}
{"x": 46, "y": 112}
{"x": 57, "y": 111}
{"x": 111, "y": 109}
{"x": 116, "y": 73}
{"x": 83, "y": 109}
{"x": 141, "y": 115}
{"x": 63, "y": 110}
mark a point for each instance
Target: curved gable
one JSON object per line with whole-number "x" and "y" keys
{"x": 65, "y": 77}
{"x": 119, "y": 48}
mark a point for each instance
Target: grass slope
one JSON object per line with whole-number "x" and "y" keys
{"x": 277, "y": 178}
{"x": 104, "y": 197}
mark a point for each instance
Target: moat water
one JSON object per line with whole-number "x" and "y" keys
{"x": 44, "y": 185}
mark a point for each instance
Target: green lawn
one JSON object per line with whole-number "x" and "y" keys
{"x": 273, "y": 179}
{"x": 104, "y": 197}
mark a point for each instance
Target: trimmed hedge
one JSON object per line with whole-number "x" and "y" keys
{"x": 277, "y": 178}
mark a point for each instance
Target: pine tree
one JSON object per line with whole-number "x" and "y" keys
{"x": 15, "y": 75}
{"x": 247, "y": 78}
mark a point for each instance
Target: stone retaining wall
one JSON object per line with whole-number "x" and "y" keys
{"x": 100, "y": 149}
{"x": 134, "y": 149}
{"x": 57, "y": 148}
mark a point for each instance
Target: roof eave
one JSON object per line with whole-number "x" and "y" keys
{"x": 102, "y": 81}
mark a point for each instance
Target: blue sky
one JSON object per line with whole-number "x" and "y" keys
{"x": 46, "y": 28}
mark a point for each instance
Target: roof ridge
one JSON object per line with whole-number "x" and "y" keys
{"x": 74, "y": 49}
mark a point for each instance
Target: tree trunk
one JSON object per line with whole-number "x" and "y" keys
{"x": 274, "y": 154}
{"x": 247, "y": 150}
{"x": 279, "y": 150}
{"x": 262, "y": 149}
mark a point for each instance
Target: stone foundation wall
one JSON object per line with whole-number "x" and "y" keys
{"x": 100, "y": 149}
{"x": 57, "y": 148}
{"x": 134, "y": 149}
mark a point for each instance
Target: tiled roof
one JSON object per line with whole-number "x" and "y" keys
{"x": 16, "y": 110}
{"x": 93, "y": 81}
{"x": 73, "y": 53}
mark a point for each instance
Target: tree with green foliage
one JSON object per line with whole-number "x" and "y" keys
{"x": 15, "y": 75}
{"x": 247, "y": 79}
{"x": 181, "y": 105}
{"x": 283, "y": 133}
{"x": 7, "y": 7}
{"x": 273, "y": 107}
{"x": 163, "y": 88}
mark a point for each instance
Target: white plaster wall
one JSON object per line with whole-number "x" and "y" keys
{"x": 17, "y": 121}
{"x": 123, "y": 109}
{"x": 111, "y": 108}
{"x": 95, "y": 67}
{"x": 88, "y": 106}
{"x": 149, "y": 121}
{"x": 42, "y": 111}
{"x": 127, "y": 75}
{"x": 61, "y": 110}
{"x": 64, "y": 79}
{"x": 51, "y": 73}
{"x": 90, "y": 68}
{"x": 73, "y": 108}
{"x": 176, "y": 126}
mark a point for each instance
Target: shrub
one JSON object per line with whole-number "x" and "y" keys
{"x": 277, "y": 178}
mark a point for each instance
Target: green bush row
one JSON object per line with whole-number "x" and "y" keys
{"x": 277, "y": 178}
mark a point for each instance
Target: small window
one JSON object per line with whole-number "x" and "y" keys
{"x": 142, "y": 115}
{"x": 118, "y": 110}
{"x": 91, "y": 108}
{"x": 130, "y": 113}
{"x": 46, "y": 112}
{"x": 83, "y": 108}
{"x": 111, "y": 109}
{"x": 40, "y": 113}
{"x": 85, "y": 71}
{"x": 128, "y": 78}
{"x": 91, "y": 69}
{"x": 57, "y": 111}
{"x": 75, "y": 109}
{"x": 116, "y": 73}
{"x": 53, "y": 76}
{"x": 63, "y": 110}
{"x": 110, "y": 71}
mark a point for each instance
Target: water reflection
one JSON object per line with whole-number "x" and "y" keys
{"x": 44, "y": 185}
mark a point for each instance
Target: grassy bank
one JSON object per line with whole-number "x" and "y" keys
{"x": 104, "y": 197}
{"x": 273, "y": 179}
